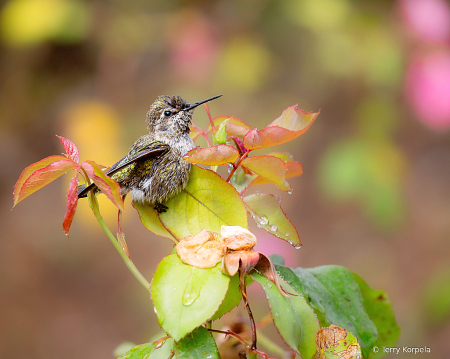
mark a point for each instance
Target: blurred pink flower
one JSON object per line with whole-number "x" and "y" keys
{"x": 428, "y": 87}
{"x": 193, "y": 46}
{"x": 268, "y": 245}
{"x": 429, "y": 18}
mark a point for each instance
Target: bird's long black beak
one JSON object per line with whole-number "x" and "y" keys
{"x": 194, "y": 105}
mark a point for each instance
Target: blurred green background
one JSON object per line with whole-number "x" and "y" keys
{"x": 375, "y": 192}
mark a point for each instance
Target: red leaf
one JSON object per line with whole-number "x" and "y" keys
{"x": 270, "y": 168}
{"x": 235, "y": 127}
{"x": 291, "y": 124}
{"x": 39, "y": 174}
{"x": 108, "y": 186}
{"x": 214, "y": 155}
{"x": 72, "y": 200}
{"x": 71, "y": 149}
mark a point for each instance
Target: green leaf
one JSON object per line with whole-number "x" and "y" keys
{"x": 335, "y": 293}
{"x": 142, "y": 351}
{"x": 198, "y": 344}
{"x": 292, "y": 316}
{"x": 231, "y": 300}
{"x": 380, "y": 311}
{"x": 241, "y": 181}
{"x": 289, "y": 276}
{"x": 266, "y": 211}
{"x": 220, "y": 137}
{"x": 277, "y": 259}
{"x": 163, "y": 351}
{"x": 207, "y": 202}
{"x": 184, "y": 296}
{"x": 150, "y": 219}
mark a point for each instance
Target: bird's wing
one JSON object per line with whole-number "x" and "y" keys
{"x": 146, "y": 153}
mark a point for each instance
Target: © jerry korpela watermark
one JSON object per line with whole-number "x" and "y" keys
{"x": 398, "y": 350}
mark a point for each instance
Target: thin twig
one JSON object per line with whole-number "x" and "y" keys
{"x": 237, "y": 165}
{"x": 130, "y": 265}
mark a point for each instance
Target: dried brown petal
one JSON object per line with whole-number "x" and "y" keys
{"x": 337, "y": 342}
{"x": 237, "y": 238}
{"x": 245, "y": 260}
{"x": 202, "y": 250}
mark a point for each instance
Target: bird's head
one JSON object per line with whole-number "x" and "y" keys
{"x": 171, "y": 115}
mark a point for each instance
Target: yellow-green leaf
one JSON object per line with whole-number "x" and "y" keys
{"x": 270, "y": 168}
{"x": 207, "y": 202}
{"x": 267, "y": 213}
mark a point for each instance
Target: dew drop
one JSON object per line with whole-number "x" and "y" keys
{"x": 276, "y": 314}
{"x": 209, "y": 356}
{"x": 159, "y": 345}
{"x": 257, "y": 193}
{"x": 269, "y": 285}
{"x": 290, "y": 191}
{"x": 297, "y": 246}
{"x": 273, "y": 227}
{"x": 263, "y": 220}
{"x": 287, "y": 234}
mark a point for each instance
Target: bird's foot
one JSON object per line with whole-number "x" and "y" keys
{"x": 160, "y": 208}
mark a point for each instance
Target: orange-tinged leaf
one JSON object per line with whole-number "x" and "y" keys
{"x": 195, "y": 132}
{"x": 292, "y": 123}
{"x": 72, "y": 200}
{"x": 294, "y": 169}
{"x": 235, "y": 127}
{"x": 108, "y": 186}
{"x": 214, "y": 155}
{"x": 285, "y": 156}
{"x": 270, "y": 168}
{"x": 39, "y": 174}
{"x": 267, "y": 213}
{"x": 71, "y": 149}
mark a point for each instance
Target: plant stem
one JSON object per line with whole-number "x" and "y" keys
{"x": 128, "y": 262}
{"x": 270, "y": 345}
{"x": 237, "y": 165}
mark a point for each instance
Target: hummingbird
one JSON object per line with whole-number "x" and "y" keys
{"x": 154, "y": 170}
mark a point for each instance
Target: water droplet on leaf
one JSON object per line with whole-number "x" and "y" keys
{"x": 263, "y": 220}
{"x": 273, "y": 227}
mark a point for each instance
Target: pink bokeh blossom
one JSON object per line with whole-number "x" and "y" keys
{"x": 430, "y": 19}
{"x": 428, "y": 88}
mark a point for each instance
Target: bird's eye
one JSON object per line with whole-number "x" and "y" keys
{"x": 167, "y": 113}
